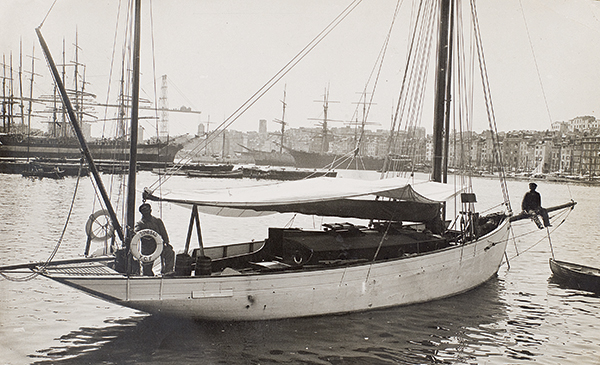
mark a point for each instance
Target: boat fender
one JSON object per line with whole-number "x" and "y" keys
{"x": 136, "y": 247}
{"x": 92, "y": 221}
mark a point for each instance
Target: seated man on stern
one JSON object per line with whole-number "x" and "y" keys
{"x": 532, "y": 204}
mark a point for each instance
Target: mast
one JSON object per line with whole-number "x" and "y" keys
{"x": 10, "y": 94}
{"x": 223, "y": 147}
{"x": 11, "y": 110}
{"x": 130, "y": 215}
{"x": 282, "y": 122}
{"x": 325, "y": 136}
{"x": 4, "y": 129}
{"x": 325, "y": 141}
{"x": 75, "y": 86}
{"x": 62, "y": 131}
{"x": 121, "y": 112}
{"x": 448, "y": 96}
{"x": 442, "y": 97}
{"x": 73, "y": 118}
{"x": 21, "y": 106}
{"x": 30, "y": 101}
{"x": 163, "y": 101}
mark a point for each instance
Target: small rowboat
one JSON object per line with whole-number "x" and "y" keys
{"x": 576, "y": 276}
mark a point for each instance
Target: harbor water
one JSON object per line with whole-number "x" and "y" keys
{"x": 519, "y": 317}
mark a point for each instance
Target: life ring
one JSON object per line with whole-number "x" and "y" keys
{"x": 297, "y": 257}
{"x": 97, "y": 229}
{"x": 136, "y": 246}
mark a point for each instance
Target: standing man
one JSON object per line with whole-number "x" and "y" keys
{"x": 167, "y": 256}
{"x": 532, "y": 204}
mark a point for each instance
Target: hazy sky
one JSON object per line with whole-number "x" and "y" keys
{"x": 218, "y": 53}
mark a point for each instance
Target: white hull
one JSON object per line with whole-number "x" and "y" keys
{"x": 304, "y": 293}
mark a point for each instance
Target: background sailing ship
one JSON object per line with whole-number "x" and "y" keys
{"x": 18, "y": 140}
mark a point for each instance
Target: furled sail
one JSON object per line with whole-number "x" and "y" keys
{"x": 367, "y": 199}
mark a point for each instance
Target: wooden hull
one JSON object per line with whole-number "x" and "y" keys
{"x": 237, "y": 174}
{"x": 262, "y": 158}
{"x": 576, "y": 276}
{"x": 41, "y": 174}
{"x": 110, "y": 150}
{"x": 314, "y": 160}
{"x": 304, "y": 292}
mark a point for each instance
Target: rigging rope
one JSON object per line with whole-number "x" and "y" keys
{"x": 412, "y": 91}
{"x": 379, "y": 61}
{"x": 262, "y": 90}
{"x": 464, "y": 87}
{"x": 107, "y": 97}
{"x": 381, "y": 241}
{"x": 489, "y": 106}
{"x": 158, "y": 122}
{"x": 537, "y": 69}
{"x": 566, "y": 212}
{"x": 550, "y": 241}
{"x": 58, "y": 243}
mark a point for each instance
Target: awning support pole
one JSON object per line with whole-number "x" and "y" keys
{"x": 194, "y": 218}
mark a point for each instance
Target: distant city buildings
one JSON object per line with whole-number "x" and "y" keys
{"x": 570, "y": 147}
{"x": 581, "y": 124}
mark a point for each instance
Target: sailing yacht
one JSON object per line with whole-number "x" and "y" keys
{"x": 406, "y": 251}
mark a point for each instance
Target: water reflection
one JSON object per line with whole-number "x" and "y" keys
{"x": 460, "y": 329}
{"x": 515, "y": 318}
{"x": 570, "y": 286}
{"x": 87, "y": 340}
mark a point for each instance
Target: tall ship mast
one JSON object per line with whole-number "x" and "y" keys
{"x": 58, "y": 141}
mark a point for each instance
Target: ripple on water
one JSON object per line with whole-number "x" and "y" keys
{"x": 516, "y": 317}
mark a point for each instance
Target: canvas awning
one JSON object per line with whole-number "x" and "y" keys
{"x": 322, "y": 196}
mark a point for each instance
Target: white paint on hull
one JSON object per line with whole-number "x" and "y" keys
{"x": 292, "y": 294}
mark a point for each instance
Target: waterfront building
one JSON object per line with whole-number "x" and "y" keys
{"x": 590, "y": 156}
